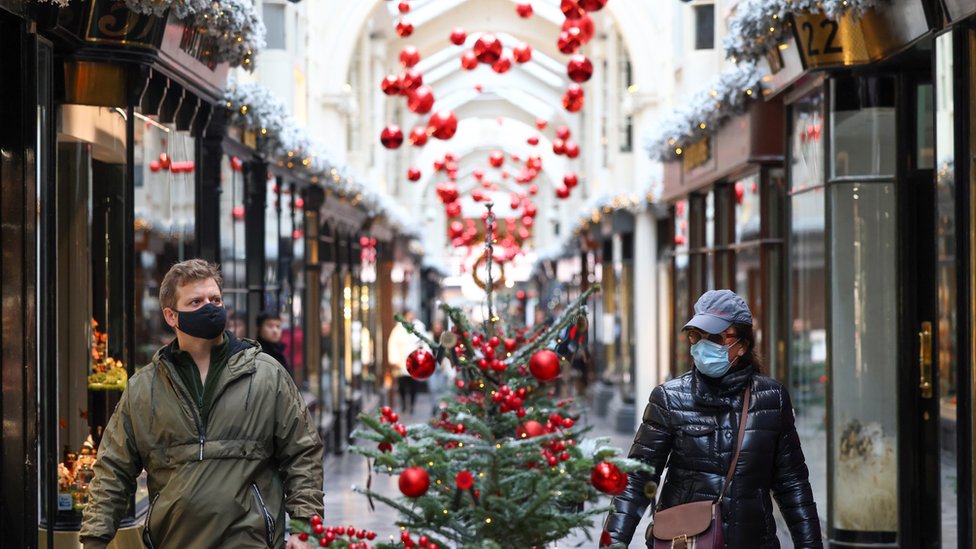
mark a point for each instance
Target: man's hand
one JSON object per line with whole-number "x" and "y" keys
{"x": 295, "y": 543}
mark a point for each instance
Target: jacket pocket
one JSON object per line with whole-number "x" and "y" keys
{"x": 146, "y": 531}
{"x": 269, "y": 523}
{"x": 697, "y": 440}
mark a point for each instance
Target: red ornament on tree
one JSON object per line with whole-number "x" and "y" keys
{"x": 391, "y": 137}
{"x": 413, "y": 174}
{"x": 562, "y": 192}
{"x": 390, "y": 85}
{"x": 572, "y": 149}
{"x": 488, "y": 48}
{"x": 558, "y": 146}
{"x": 420, "y": 364}
{"x": 409, "y": 81}
{"x": 453, "y": 209}
{"x": 571, "y": 9}
{"x": 583, "y": 28}
{"x": 570, "y": 180}
{"x": 503, "y": 64}
{"x": 522, "y": 53}
{"x": 573, "y": 99}
{"x": 605, "y": 539}
{"x": 541, "y": 123}
{"x": 421, "y": 100}
{"x": 544, "y": 365}
{"x": 608, "y": 478}
{"x": 524, "y": 9}
{"x": 443, "y": 124}
{"x": 404, "y": 29}
{"x": 409, "y": 56}
{"x": 469, "y": 61}
{"x": 530, "y": 429}
{"x": 579, "y": 68}
{"x": 385, "y": 447}
{"x": 458, "y": 36}
{"x": 496, "y": 159}
{"x": 414, "y": 482}
{"x": 464, "y": 480}
{"x": 418, "y": 136}
{"x": 404, "y": 7}
{"x": 569, "y": 41}
{"x": 592, "y": 5}
{"x": 533, "y": 140}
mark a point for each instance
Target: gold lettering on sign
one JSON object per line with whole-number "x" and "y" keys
{"x": 112, "y": 21}
{"x": 696, "y": 154}
{"x": 848, "y": 41}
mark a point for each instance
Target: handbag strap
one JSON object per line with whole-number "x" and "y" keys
{"x": 738, "y": 444}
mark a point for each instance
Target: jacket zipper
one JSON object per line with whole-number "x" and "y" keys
{"x": 269, "y": 524}
{"x": 146, "y": 533}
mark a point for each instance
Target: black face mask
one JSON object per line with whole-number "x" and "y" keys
{"x": 207, "y": 322}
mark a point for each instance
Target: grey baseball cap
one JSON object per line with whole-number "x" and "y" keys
{"x": 716, "y": 310}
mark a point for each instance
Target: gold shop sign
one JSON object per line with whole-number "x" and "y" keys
{"x": 696, "y": 154}
{"x": 110, "y": 21}
{"x": 851, "y": 40}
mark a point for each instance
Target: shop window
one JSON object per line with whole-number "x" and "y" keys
{"x": 233, "y": 267}
{"x": 862, "y": 126}
{"x": 806, "y": 144}
{"x": 682, "y": 287}
{"x": 704, "y": 26}
{"x": 274, "y": 22}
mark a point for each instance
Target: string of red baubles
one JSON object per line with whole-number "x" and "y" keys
{"x": 166, "y": 163}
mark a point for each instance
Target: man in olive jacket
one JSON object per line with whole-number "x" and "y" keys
{"x": 219, "y": 427}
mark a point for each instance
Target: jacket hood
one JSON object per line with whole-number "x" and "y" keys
{"x": 236, "y": 347}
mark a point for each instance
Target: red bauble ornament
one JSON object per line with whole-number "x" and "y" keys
{"x": 237, "y": 212}
{"x": 562, "y": 192}
{"x": 531, "y": 209}
{"x": 541, "y": 123}
{"x": 573, "y": 98}
{"x": 533, "y": 140}
{"x": 527, "y": 221}
{"x": 410, "y": 80}
{"x": 522, "y": 53}
{"x": 605, "y": 539}
{"x": 544, "y": 365}
{"x": 391, "y": 137}
{"x": 404, "y": 7}
{"x": 385, "y": 447}
{"x": 409, "y": 56}
{"x": 503, "y": 64}
{"x": 458, "y": 36}
{"x": 421, "y": 364}
{"x": 421, "y": 100}
{"x": 464, "y": 480}
{"x": 453, "y": 209}
{"x": 524, "y": 10}
{"x": 414, "y": 482}
{"x": 530, "y": 429}
{"x": 608, "y": 478}
{"x": 443, "y": 124}
{"x": 236, "y": 164}
{"x": 533, "y": 190}
{"x": 579, "y": 68}
{"x": 413, "y": 174}
{"x": 583, "y": 28}
{"x": 558, "y": 146}
{"x": 534, "y": 163}
{"x": 165, "y": 161}
{"x": 404, "y": 29}
{"x": 455, "y": 229}
{"x": 571, "y": 9}
{"x": 569, "y": 41}
{"x": 570, "y": 180}
{"x": 740, "y": 191}
{"x": 592, "y": 5}
{"x": 447, "y": 192}
{"x": 488, "y": 48}
{"x": 572, "y": 149}
{"x": 469, "y": 61}
{"x": 390, "y": 85}
{"x": 155, "y": 166}
{"x": 418, "y": 136}
{"x": 562, "y": 132}
{"x": 496, "y": 159}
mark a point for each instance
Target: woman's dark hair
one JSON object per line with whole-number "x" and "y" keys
{"x": 745, "y": 332}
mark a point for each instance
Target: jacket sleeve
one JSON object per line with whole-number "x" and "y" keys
{"x": 652, "y": 445}
{"x": 298, "y": 451}
{"x": 791, "y": 483}
{"x": 117, "y": 465}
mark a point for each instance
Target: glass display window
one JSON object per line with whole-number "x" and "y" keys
{"x": 806, "y": 143}
{"x": 862, "y": 126}
{"x": 233, "y": 266}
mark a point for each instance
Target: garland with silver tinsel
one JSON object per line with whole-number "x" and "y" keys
{"x": 757, "y": 25}
{"x": 727, "y": 95}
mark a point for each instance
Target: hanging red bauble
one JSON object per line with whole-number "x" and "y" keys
{"x": 530, "y": 209}
{"x": 414, "y": 482}
{"x": 533, "y": 140}
{"x": 165, "y": 161}
{"x": 562, "y": 132}
{"x": 570, "y": 180}
{"x": 455, "y": 229}
{"x": 541, "y": 123}
{"x": 421, "y": 364}
{"x": 155, "y": 166}
{"x": 503, "y": 64}
{"x": 478, "y": 174}
{"x": 573, "y": 98}
{"x": 464, "y": 480}
{"x": 391, "y": 137}
{"x": 530, "y": 429}
{"x": 488, "y": 48}
{"x": 579, "y": 68}
{"x": 496, "y": 159}
{"x": 544, "y": 365}
{"x": 421, "y": 100}
{"x": 592, "y": 5}
{"x": 453, "y": 209}
{"x": 479, "y": 195}
{"x": 524, "y": 9}
{"x": 236, "y": 164}
{"x": 558, "y": 146}
{"x": 458, "y": 36}
{"x": 583, "y": 28}
{"x": 410, "y": 80}
{"x": 443, "y": 124}
{"x": 569, "y": 41}
{"x": 385, "y": 447}
{"x": 404, "y": 7}
{"x": 605, "y": 539}
{"x": 527, "y": 221}
{"x": 608, "y": 478}
{"x": 404, "y": 29}
{"x": 571, "y": 9}
{"x": 469, "y": 61}
{"x": 390, "y": 85}
{"x": 572, "y": 149}
{"x": 409, "y": 56}
{"x": 533, "y": 190}
{"x": 522, "y": 53}
{"x": 524, "y": 233}
{"x": 534, "y": 163}
{"x": 418, "y": 136}
{"x": 740, "y": 191}
{"x": 413, "y": 174}
{"x": 447, "y": 192}
{"x": 562, "y": 192}
{"x": 237, "y": 212}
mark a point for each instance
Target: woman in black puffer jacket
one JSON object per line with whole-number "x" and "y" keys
{"x": 691, "y": 425}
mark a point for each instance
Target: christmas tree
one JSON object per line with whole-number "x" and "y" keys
{"x": 503, "y": 464}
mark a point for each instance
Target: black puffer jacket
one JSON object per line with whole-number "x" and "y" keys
{"x": 694, "y": 420}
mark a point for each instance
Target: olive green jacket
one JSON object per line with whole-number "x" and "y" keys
{"x": 224, "y": 484}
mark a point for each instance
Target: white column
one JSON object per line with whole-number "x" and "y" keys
{"x": 645, "y": 309}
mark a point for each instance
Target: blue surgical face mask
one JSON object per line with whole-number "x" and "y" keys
{"x": 711, "y": 359}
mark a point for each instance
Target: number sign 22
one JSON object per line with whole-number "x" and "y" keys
{"x": 824, "y": 42}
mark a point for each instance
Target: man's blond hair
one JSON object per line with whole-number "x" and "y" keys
{"x": 183, "y": 273}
